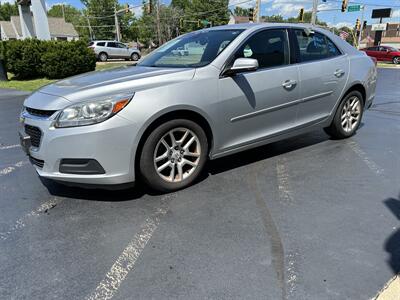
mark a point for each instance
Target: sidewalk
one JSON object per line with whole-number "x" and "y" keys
{"x": 12, "y": 92}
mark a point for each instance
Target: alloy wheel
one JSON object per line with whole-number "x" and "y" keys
{"x": 396, "y": 60}
{"x": 351, "y": 113}
{"x": 177, "y": 155}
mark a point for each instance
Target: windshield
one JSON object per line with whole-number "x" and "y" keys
{"x": 195, "y": 49}
{"x": 393, "y": 49}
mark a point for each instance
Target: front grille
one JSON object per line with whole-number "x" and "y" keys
{"x": 37, "y": 162}
{"x": 35, "y": 134}
{"x": 39, "y": 112}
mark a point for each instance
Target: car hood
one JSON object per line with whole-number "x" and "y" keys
{"x": 95, "y": 85}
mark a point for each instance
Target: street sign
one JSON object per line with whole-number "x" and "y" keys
{"x": 379, "y": 27}
{"x": 353, "y": 8}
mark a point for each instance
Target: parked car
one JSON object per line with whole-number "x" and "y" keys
{"x": 113, "y": 49}
{"x": 384, "y": 53}
{"x": 162, "y": 119}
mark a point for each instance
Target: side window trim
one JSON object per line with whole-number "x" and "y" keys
{"x": 230, "y": 59}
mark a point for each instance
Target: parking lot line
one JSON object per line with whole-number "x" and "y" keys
{"x": 5, "y": 147}
{"x": 21, "y": 222}
{"x": 369, "y": 162}
{"x": 126, "y": 261}
{"x": 12, "y": 168}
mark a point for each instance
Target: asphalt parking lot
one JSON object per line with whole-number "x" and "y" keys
{"x": 305, "y": 218}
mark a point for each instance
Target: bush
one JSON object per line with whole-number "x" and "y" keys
{"x": 63, "y": 59}
{"x": 32, "y": 58}
{"x": 24, "y": 58}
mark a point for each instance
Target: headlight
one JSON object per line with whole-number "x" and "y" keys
{"x": 91, "y": 112}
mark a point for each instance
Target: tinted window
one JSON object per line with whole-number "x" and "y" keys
{"x": 101, "y": 44}
{"x": 112, "y": 44}
{"x": 91, "y": 43}
{"x": 194, "y": 49}
{"x": 312, "y": 46}
{"x": 269, "y": 47}
{"x": 373, "y": 49}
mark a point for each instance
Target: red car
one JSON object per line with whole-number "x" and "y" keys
{"x": 384, "y": 53}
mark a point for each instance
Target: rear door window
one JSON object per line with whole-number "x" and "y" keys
{"x": 314, "y": 46}
{"x": 112, "y": 45}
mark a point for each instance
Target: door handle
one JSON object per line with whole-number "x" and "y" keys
{"x": 289, "y": 84}
{"x": 339, "y": 73}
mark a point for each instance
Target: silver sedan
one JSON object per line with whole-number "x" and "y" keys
{"x": 237, "y": 87}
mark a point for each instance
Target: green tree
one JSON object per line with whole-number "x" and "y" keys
{"x": 273, "y": 19}
{"x": 101, "y": 16}
{"x": 240, "y": 11}
{"x": 7, "y": 10}
{"x": 182, "y": 4}
{"x": 214, "y": 11}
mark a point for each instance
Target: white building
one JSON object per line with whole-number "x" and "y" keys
{"x": 33, "y": 22}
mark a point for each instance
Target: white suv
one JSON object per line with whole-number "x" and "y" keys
{"x": 113, "y": 49}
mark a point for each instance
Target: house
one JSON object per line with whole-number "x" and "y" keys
{"x": 390, "y": 37}
{"x": 238, "y": 19}
{"x": 59, "y": 29}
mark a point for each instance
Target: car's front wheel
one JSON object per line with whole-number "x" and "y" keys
{"x": 347, "y": 117}
{"x": 173, "y": 155}
{"x": 396, "y": 60}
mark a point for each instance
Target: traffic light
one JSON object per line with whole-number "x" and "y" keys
{"x": 358, "y": 24}
{"x": 181, "y": 23}
{"x": 251, "y": 14}
{"x": 301, "y": 15}
{"x": 364, "y": 25}
{"x": 126, "y": 8}
{"x": 198, "y": 23}
{"x": 344, "y": 5}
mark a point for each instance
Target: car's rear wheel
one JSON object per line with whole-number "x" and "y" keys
{"x": 348, "y": 116}
{"x": 173, "y": 155}
{"x": 135, "y": 57}
{"x": 103, "y": 57}
{"x": 396, "y": 60}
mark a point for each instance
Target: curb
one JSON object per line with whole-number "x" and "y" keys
{"x": 391, "y": 291}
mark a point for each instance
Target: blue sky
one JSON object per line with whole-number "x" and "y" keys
{"x": 290, "y": 8}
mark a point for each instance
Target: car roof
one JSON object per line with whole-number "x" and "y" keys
{"x": 245, "y": 26}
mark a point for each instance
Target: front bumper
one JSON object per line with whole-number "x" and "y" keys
{"x": 111, "y": 143}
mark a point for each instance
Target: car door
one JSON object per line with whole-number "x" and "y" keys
{"x": 124, "y": 52}
{"x": 384, "y": 53}
{"x": 323, "y": 73}
{"x": 261, "y": 103}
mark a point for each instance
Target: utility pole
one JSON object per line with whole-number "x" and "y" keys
{"x": 257, "y": 11}
{"x": 158, "y": 23}
{"x": 361, "y": 27}
{"x": 90, "y": 28}
{"x": 63, "y": 11}
{"x": 117, "y": 30}
{"x": 314, "y": 12}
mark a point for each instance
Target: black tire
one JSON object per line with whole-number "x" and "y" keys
{"x": 103, "y": 57}
{"x": 336, "y": 130}
{"x": 396, "y": 60}
{"x": 147, "y": 163}
{"x": 135, "y": 57}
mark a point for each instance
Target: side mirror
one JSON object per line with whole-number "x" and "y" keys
{"x": 243, "y": 65}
